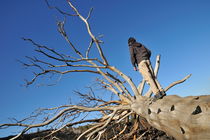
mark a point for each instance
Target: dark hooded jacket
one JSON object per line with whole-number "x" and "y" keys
{"x": 138, "y": 53}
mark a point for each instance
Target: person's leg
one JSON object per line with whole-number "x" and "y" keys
{"x": 155, "y": 78}
{"x": 146, "y": 73}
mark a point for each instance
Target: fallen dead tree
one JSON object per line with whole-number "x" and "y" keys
{"x": 182, "y": 118}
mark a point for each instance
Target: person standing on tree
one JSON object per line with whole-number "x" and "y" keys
{"x": 140, "y": 59}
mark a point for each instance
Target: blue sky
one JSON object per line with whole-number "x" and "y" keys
{"x": 178, "y": 30}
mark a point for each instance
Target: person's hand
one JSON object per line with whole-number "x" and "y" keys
{"x": 134, "y": 68}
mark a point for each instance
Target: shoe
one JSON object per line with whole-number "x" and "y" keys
{"x": 160, "y": 95}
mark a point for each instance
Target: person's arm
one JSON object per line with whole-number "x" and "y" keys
{"x": 148, "y": 51}
{"x": 132, "y": 57}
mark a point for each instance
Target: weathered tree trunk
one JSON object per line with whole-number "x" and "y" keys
{"x": 180, "y": 117}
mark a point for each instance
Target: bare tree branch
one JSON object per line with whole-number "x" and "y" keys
{"x": 60, "y": 11}
{"x": 177, "y": 82}
{"x": 89, "y": 14}
{"x": 90, "y": 33}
